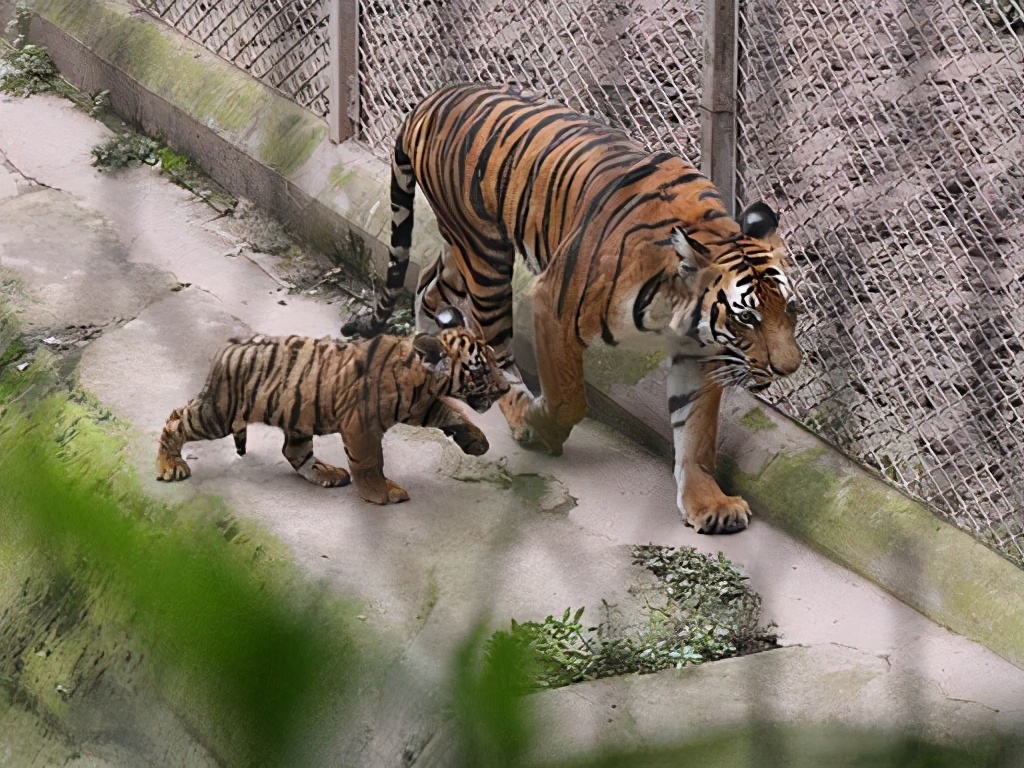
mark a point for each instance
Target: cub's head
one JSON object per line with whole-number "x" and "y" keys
{"x": 474, "y": 375}
{"x": 744, "y": 307}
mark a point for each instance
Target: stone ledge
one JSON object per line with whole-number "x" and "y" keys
{"x": 259, "y": 145}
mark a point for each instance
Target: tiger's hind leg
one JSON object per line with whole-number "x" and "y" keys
{"x": 441, "y": 284}
{"x": 298, "y": 449}
{"x": 185, "y": 425}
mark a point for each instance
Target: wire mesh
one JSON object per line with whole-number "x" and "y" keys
{"x": 633, "y": 63}
{"x": 890, "y": 133}
{"x": 283, "y": 43}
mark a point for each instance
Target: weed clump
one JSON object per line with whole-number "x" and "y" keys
{"x": 701, "y": 610}
{"x": 124, "y": 150}
{"x": 29, "y": 70}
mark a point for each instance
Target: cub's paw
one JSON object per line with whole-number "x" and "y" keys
{"x": 469, "y": 438}
{"x": 725, "y": 514}
{"x": 171, "y": 468}
{"x": 329, "y": 476}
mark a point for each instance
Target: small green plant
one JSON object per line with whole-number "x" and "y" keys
{"x": 28, "y": 70}
{"x": 125, "y": 149}
{"x": 702, "y": 610}
{"x": 172, "y": 163}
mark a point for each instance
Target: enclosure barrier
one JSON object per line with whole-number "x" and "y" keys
{"x": 888, "y": 133}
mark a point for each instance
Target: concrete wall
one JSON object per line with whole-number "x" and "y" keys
{"x": 261, "y": 146}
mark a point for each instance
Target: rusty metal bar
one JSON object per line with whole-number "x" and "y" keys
{"x": 718, "y": 100}
{"x": 343, "y": 37}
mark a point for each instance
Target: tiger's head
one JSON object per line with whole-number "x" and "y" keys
{"x": 743, "y": 311}
{"x": 470, "y": 366}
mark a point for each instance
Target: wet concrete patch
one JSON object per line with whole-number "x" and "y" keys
{"x": 70, "y": 257}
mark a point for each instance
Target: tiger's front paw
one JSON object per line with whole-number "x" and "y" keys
{"x": 171, "y": 468}
{"x": 529, "y": 427}
{"x": 390, "y": 493}
{"x": 396, "y": 493}
{"x": 723, "y": 514}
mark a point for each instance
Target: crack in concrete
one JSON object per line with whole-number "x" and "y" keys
{"x": 947, "y": 697}
{"x": 6, "y": 162}
{"x": 75, "y": 336}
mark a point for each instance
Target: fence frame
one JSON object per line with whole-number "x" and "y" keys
{"x": 718, "y": 99}
{"x": 343, "y": 36}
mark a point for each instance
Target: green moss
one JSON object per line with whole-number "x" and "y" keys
{"x": 339, "y": 177}
{"x": 530, "y": 487}
{"x": 12, "y": 353}
{"x": 289, "y": 136}
{"x": 94, "y": 573}
{"x": 522, "y": 280}
{"x": 138, "y": 46}
{"x": 756, "y": 420}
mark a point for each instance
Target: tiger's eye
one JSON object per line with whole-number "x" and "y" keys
{"x": 748, "y": 318}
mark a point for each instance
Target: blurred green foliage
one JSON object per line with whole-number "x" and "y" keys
{"x": 240, "y": 640}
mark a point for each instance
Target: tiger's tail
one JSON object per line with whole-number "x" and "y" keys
{"x": 403, "y": 190}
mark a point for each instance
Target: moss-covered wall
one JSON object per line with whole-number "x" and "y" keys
{"x": 278, "y": 133}
{"x": 896, "y": 542}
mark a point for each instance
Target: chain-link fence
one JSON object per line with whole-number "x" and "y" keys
{"x": 635, "y": 63}
{"x": 890, "y": 133}
{"x": 281, "y": 42}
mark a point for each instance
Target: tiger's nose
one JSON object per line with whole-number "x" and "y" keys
{"x": 783, "y": 365}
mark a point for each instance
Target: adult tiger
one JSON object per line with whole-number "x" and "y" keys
{"x": 625, "y": 242}
{"x": 313, "y": 387}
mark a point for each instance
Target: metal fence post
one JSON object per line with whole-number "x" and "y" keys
{"x": 343, "y": 36}
{"x": 718, "y": 101}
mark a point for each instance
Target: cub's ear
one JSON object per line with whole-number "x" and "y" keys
{"x": 428, "y": 347}
{"x": 450, "y": 317}
{"x": 692, "y": 255}
{"x": 759, "y": 220}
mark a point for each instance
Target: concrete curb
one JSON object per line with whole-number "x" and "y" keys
{"x": 261, "y": 146}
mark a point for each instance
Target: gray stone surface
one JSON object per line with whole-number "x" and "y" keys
{"x": 466, "y": 546}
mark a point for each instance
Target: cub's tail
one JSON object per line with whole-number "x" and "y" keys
{"x": 371, "y": 322}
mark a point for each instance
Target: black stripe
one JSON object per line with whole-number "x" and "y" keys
{"x": 606, "y": 333}
{"x": 680, "y": 401}
{"x": 644, "y": 299}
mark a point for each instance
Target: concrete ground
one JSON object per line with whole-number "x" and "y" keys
{"x": 158, "y": 281}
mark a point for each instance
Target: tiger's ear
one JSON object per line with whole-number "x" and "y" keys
{"x": 428, "y": 347}
{"x": 692, "y": 255}
{"x": 760, "y": 221}
{"x": 450, "y": 317}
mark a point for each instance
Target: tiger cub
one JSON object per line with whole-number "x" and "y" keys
{"x": 313, "y": 387}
